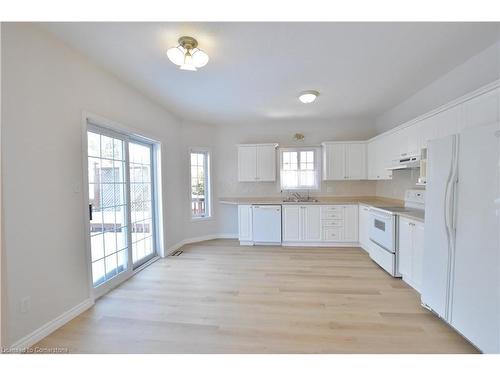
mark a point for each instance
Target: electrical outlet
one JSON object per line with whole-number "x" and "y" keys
{"x": 25, "y": 304}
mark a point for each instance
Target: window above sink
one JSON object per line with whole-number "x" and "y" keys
{"x": 299, "y": 168}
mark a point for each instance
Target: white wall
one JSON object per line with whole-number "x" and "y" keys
{"x": 46, "y": 86}
{"x": 478, "y": 71}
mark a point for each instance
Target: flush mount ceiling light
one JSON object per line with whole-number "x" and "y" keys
{"x": 308, "y": 96}
{"x": 187, "y": 55}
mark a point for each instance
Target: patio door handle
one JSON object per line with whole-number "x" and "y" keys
{"x": 90, "y": 212}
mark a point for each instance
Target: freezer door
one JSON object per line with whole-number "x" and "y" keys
{"x": 441, "y": 154}
{"x": 475, "y": 308}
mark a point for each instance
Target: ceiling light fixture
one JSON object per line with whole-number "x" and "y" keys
{"x": 308, "y": 96}
{"x": 187, "y": 55}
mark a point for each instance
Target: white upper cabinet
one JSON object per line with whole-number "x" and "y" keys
{"x": 427, "y": 132}
{"x": 266, "y": 162}
{"x": 372, "y": 155}
{"x": 247, "y": 163}
{"x": 407, "y": 142}
{"x": 356, "y": 161}
{"x": 257, "y": 162}
{"x": 379, "y": 158}
{"x": 344, "y": 161}
{"x": 334, "y": 161}
{"x": 482, "y": 110}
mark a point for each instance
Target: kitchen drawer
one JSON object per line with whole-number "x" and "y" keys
{"x": 332, "y": 234}
{"x": 332, "y": 223}
{"x": 332, "y": 215}
{"x": 332, "y": 208}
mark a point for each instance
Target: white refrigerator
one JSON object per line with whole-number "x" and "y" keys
{"x": 461, "y": 280}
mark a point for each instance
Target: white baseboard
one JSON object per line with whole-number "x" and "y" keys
{"x": 320, "y": 244}
{"x": 207, "y": 237}
{"x": 45, "y": 330}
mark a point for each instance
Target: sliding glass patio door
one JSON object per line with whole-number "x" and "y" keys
{"x": 121, "y": 206}
{"x": 141, "y": 197}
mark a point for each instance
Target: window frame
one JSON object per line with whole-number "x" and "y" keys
{"x": 154, "y": 199}
{"x": 208, "y": 183}
{"x": 317, "y": 167}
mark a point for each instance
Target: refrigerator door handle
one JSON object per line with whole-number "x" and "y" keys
{"x": 450, "y": 192}
{"x": 447, "y": 207}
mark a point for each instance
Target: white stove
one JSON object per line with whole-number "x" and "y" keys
{"x": 383, "y": 230}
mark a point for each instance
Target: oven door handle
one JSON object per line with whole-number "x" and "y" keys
{"x": 379, "y": 214}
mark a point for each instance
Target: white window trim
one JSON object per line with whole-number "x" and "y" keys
{"x": 317, "y": 167}
{"x": 208, "y": 194}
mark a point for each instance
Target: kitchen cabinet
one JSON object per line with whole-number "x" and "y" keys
{"x": 410, "y": 248}
{"x": 344, "y": 160}
{"x": 379, "y": 155}
{"x": 334, "y": 167}
{"x": 301, "y": 223}
{"x": 291, "y": 223}
{"x": 481, "y": 110}
{"x": 356, "y": 161}
{"x": 312, "y": 220}
{"x": 350, "y": 223}
{"x": 371, "y": 151}
{"x": 406, "y": 142}
{"x": 320, "y": 224}
{"x": 339, "y": 223}
{"x": 245, "y": 230}
{"x": 364, "y": 227}
{"x": 257, "y": 163}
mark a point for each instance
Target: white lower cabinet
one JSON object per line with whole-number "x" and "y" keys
{"x": 290, "y": 220}
{"x": 301, "y": 223}
{"x": 320, "y": 224}
{"x": 339, "y": 223}
{"x": 350, "y": 223}
{"x": 245, "y": 230}
{"x": 311, "y": 223}
{"x": 411, "y": 248}
{"x": 364, "y": 227}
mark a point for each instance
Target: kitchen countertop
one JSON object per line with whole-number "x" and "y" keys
{"x": 363, "y": 200}
{"x": 414, "y": 215}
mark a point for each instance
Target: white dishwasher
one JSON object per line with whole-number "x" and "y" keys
{"x": 266, "y": 220}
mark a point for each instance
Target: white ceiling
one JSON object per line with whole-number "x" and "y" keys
{"x": 256, "y": 70}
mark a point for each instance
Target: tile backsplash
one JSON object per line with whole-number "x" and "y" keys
{"x": 402, "y": 180}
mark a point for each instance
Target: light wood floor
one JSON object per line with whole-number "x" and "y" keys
{"x": 218, "y": 297}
